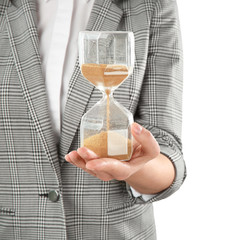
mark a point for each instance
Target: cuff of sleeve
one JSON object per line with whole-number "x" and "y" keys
{"x": 176, "y": 157}
{"x": 145, "y": 197}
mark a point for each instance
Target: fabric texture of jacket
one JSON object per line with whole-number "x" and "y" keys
{"x": 31, "y": 164}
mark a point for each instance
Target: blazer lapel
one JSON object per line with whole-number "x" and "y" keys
{"x": 105, "y": 16}
{"x": 21, "y": 24}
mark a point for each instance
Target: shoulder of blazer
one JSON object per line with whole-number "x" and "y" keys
{"x": 152, "y": 4}
{"x": 3, "y": 6}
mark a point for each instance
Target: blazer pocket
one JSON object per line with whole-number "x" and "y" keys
{"x": 120, "y": 208}
{"x": 128, "y": 210}
{"x": 7, "y": 211}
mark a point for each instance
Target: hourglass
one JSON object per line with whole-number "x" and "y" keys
{"x": 106, "y": 60}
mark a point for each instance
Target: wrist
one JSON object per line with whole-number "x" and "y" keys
{"x": 141, "y": 180}
{"x": 154, "y": 177}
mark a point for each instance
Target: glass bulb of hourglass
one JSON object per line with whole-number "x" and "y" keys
{"x": 106, "y": 60}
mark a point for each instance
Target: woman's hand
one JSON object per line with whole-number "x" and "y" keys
{"x": 145, "y": 148}
{"x": 148, "y": 171}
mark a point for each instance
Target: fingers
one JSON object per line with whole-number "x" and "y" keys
{"x": 86, "y": 154}
{"x": 81, "y": 157}
{"x": 111, "y": 167}
{"x": 75, "y": 159}
{"x": 145, "y": 149}
{"x": 149, "y": 145}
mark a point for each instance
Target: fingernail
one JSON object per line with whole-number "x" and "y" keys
{"x": 87, "y": 153}
{"x": 84, "y": 153}
{"x": 71, "y": 157}
{"x": 137, "y": 128}
{"x": 66, "y": 157}
{"x": 91, "y": 154}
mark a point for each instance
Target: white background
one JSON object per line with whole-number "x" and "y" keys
{"x": 211, "y": 205}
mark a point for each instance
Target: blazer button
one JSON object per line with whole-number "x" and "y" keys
{"x": 53, "y": 195}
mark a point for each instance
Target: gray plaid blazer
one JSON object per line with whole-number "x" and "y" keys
{"x": 42, "y": 196}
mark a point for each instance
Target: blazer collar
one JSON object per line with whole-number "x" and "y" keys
{"x": 23, "y": 36}
{"x": 22, "y": 31}
{"x": 105, "y": 16}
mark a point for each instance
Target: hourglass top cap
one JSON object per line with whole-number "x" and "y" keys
{"x": 103, "y": 34}
{"x": 107, "y": 32}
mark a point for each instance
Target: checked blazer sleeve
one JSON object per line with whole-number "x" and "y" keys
{"x": 160, "y": 104}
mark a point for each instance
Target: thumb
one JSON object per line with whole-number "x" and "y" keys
{"x": 144, "y": 137}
